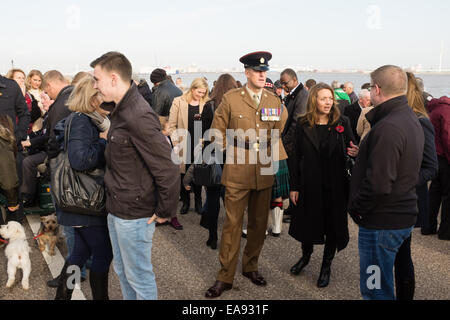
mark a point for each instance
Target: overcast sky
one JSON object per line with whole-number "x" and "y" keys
{"x": 322, "y": 34}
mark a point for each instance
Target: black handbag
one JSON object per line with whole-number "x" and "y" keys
{"x": 208, "y": 174}
{"x": 81, "y": 192}
{"x": 349, "y": 161}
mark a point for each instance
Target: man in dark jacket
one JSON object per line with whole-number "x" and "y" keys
{"x": 12, "y": 104}
{"x": 58, "y": 90}
{"x": 141, "y": 180}
{"x": 295, "y": 103}
{"x": 383, "y": 200}
{"x": 164, "y": 92}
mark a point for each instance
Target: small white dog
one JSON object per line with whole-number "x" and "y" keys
{"x": 17, "y": 253}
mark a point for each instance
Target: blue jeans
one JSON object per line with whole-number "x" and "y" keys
{"x": 377, "y": 252}
{"x": 131, "y": 241}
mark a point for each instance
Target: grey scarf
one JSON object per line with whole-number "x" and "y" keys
{"x": 102, "y": 123}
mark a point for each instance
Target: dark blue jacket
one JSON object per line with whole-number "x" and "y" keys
{"x": 429, "y": 167}
{"x": 86, "y": 152}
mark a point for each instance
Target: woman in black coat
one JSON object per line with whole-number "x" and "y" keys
{"x": 319, "y": 183}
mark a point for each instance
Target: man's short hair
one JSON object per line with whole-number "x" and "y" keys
{"x": 420, "y": 84}
{"x": 117, "y": 62}
{"x": 310, "y": 83}
{"x": 52, "y": 75}
{"x": 392, "y": 80}
{"x": 289, "y": 72}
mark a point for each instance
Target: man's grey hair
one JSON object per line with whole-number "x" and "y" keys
{"x": 349, "y": 84}
{"x": 335, "y": 84}
{"x": 364, "y": 93}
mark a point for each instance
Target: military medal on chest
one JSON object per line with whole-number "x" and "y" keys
{"x": 270, "y": 114}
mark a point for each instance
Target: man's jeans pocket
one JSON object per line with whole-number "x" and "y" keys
{"x": 392, "y": 239}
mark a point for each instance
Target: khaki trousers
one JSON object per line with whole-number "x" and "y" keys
{"x": 236, "y": 200}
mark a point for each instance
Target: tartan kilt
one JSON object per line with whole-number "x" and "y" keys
{"x": 281, "y": 184}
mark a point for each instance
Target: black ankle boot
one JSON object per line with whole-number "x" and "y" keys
{"x": 212, "y": 240}
{"x": 303, "y": 262}
{"x": 63, "y": 292}
{"x": 404, "y": 290}
{"x": 99, "y": 285}
{"x": 325, "y": 272}
{"x": 185, "y": 208}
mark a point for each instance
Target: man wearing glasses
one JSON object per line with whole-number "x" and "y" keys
{"x": 295, "y": 102}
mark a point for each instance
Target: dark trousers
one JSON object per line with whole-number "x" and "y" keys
{"x": 93, "y": 241}
{"x": 440, "y": 194}
{"x": 212, "y": 209}
{"x": 329, "y": 250}
{"x": 29, "y": 174}
{"x": 404, "y": 272}
{"x": 185, "y": 195}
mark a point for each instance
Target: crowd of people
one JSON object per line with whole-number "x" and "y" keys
{"x": 380, "y": 156}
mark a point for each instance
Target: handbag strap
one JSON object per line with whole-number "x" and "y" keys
{"x": 67, "y": 129}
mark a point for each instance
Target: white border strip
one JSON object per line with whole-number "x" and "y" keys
{"x": 55, "y": 263}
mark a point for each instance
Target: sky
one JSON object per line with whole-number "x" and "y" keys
{"x": 322, "y": 34}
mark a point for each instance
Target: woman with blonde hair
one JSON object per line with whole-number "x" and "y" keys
{"x": 404, "y": 267}
{"x": 88, "y": 129}
{"x": 32, "y": 102}
{"x": 319, "y": 182}
{"x": 34, "y": 86}
{"x": 185, "y": 116}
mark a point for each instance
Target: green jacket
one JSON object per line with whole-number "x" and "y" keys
{"x": 9, "y": 182}
{"x": 340, "y": 94}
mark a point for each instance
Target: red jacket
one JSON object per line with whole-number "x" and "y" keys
{"x": 440, "y": 118}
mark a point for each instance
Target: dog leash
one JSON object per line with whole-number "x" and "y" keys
{"x": 34, "y": 238}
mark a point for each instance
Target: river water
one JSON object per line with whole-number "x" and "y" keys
{"x": 437, "y": 85}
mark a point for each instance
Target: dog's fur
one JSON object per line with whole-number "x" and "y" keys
{"x": 17, "y": 252}
{"x": 49, "y": 233}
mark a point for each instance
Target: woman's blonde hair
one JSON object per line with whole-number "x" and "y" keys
{"x": 31, "y": 75}
{"x": 83, "y": 96}
{"x": 415, "y": 97}
{"x": 11, "y": 73}
{"x": 199, "y": 83}
{"x": 312, "y": 115}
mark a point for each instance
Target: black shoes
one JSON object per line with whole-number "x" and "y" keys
{"x": 325, "y": 272}
{"x": 217, "y": 289}
{"x": 185, "y": 208}
{"x": 255, "y": 278}
{"x": 298, "y": 267}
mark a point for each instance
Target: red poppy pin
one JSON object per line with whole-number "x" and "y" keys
{"x": 340, "y": 129}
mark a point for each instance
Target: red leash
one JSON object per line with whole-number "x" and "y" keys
{"x": 5, "y": 241}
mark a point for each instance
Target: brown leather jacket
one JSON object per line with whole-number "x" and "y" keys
{"x": 141, "y": 179}
{"x": 9, "y": 182}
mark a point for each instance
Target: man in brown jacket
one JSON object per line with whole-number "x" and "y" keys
{"x": 142, "y": 182}
{"x": 243, "y": 117}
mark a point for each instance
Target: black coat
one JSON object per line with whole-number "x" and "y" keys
{"x": 58, "y": 111}
{"x": 307, "y": 220}
{"x": 295, "y": 104}
{"x": 13, "y": 104}
{"x": 353, "y": 112}
{"x": 163, "y": 97}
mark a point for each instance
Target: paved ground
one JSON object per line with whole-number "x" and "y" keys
{"x": 185, "y": 267}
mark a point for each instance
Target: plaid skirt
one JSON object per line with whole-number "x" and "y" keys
{"x": 281, "y": 185}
